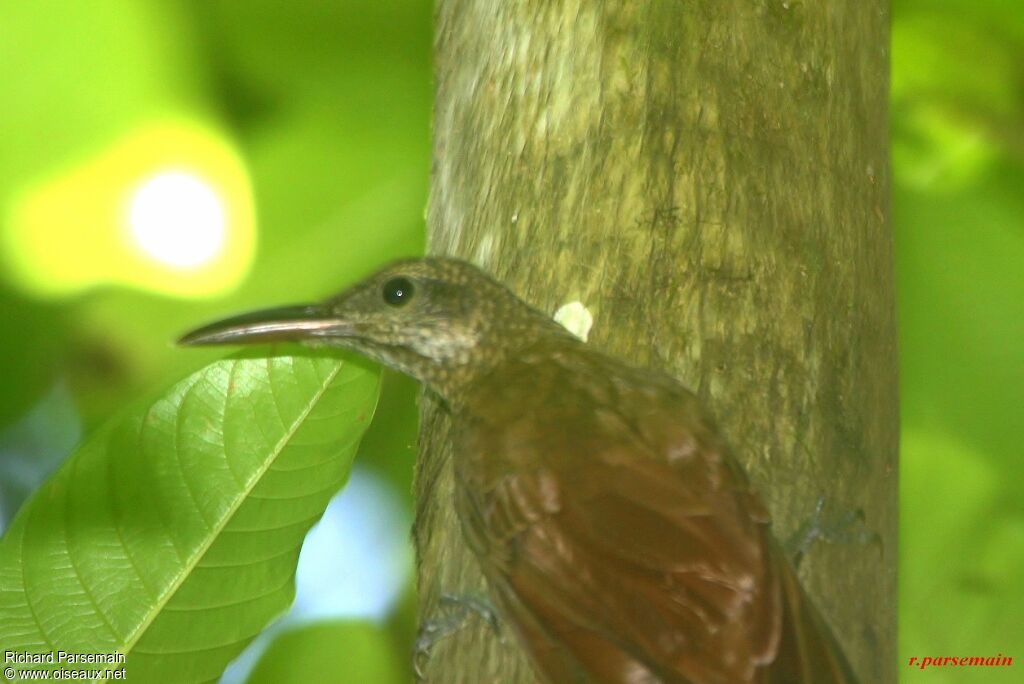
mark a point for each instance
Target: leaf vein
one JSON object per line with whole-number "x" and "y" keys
{"x": 199, "y": 552}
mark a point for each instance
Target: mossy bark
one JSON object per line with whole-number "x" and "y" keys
{"x": 711, "y": 180}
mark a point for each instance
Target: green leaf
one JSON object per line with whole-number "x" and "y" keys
{"x": 340, "y": 652}
{"x": 172, "y": 535}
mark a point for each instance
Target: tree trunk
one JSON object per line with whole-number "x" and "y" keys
{"x": 710, "y": 180}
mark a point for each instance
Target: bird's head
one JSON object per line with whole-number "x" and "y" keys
{"x": 442, "y": 321}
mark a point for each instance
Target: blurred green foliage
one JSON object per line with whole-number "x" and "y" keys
{"x": 958, "y": 220}
{"x": 331, "y": 652}
{"x": 329, "y": 106}
{"x": 329, "y": 103}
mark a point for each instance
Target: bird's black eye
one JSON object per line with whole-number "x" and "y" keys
{"x": 398, "y": 291}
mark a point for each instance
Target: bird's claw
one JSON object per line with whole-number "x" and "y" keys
{"x": 848, "y": 528}
{"x": 473, "y": 604}
{"x": 433, "y": 630}
{"x": 430, "y": 632}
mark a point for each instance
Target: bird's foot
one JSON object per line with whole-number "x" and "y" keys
{"x": 848, "y": 528}
{"x": 455, "y": 610}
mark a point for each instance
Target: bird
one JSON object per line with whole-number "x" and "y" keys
{"x": 618, "y": 535}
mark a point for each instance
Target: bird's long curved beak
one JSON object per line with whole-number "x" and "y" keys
{"x": 282, "y": 324}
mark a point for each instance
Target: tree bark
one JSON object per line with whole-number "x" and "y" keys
{"x": 710, "y": 179}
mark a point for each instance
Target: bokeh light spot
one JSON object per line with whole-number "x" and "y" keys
{"x": 178, "y": 219}
{"x": 166, "y": 207}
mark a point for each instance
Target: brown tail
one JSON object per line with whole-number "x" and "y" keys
{"x": 808, "y": 653}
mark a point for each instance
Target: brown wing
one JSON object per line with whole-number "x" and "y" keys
{"x": 628, "y": 549}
